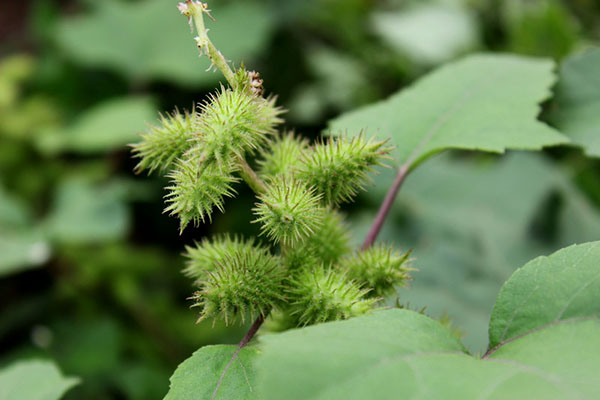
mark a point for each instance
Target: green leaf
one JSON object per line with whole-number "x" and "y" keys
{"x": 548, "y": 291}
{"x": 152, "y": 40}
{"x": 107, "y": 126}
{"x": 482, "y": 102}
{"x": 86, "y": 213}
{"x": 34, "y": 380}
{"x": 578, "y": 101}
{"x": 428, "y": 33}
{"x": 197, "y": 377}
{"x": 402, "y": 354}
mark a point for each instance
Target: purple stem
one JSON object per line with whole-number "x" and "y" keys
{"x": 385, "y": 207}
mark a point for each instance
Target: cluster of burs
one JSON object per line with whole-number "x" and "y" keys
{"x": 304, "y": 270}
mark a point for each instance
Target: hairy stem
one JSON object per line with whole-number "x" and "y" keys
{"x": 195, "y": 11}
{"x": 385, "y": 207}
{"x": 250, "y": 177}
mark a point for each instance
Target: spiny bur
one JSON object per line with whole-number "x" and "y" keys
{"x": 165, "y": 143}
{"x": 339, "y": 167}
{"x": 282, "y": 156}
{"x": 327, "y": 245}
{"x": 195, "y": 189}
{"x": 379, "y": 268}
{"x": 324, "y": 294}
{"x": 206, "y": 256}
{"x": 244, "y": 284}
{"x": 289, "y": 212}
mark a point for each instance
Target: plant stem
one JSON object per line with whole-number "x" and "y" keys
{"x": 245, "y": 340}
{"x": 385, "y": 206}
{"x": 195, "y": 11}
{"x": 250, "y": 177}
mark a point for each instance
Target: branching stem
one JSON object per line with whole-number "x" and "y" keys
{"x": 385, "y": 206}
{"x": 250, "y": 177}
{"x": 195, "y": 11}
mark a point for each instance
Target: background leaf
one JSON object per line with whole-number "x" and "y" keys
{"x": 150, "y": 39}
{"x": 482, "y": 102}
{"x": 401, "y": 354}
{"x": 578, "y": 100}
{"x": 84, "y": 213}
{"x": 110, "y": 125}
{"x": 428, "y": 33}
{"x": 33, "y": 380}
{"x": 197, "y": 377}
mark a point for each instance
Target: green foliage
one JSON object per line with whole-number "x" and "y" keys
{"x": 190, "y": 380}
{"x": 289, "y": 212}
{"x": 34, "y": 380}
{"x": 542, "y": 335}
{"x": 415, "y": 31}
{"x": 86, "y": 213}
{"x": 379, "y": 267}
{"x": 578, "y": 101}
{"x": 482, "y": 102}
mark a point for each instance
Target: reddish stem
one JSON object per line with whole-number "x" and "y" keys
{"x": 245, "y": 340}
{"x": 385, "y": 207}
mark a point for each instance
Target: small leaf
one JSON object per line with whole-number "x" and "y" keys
{"x": 110, "y": 125}
{"x": 482, "y": 102}
{"x": 197, "y": 377}
{"x": 548, "y": 291}
{"x": 34, "y": 380}
{"x": 578, "y": 101}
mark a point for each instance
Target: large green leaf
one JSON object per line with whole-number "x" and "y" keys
{"x": 150, "y": 39}
{"x": 34, "y": 380}
{"x": 197, "y": 377}
{"x": 482, "y": 102}
{"x": 401, "y": 354}
{"x": 578, "y": 100}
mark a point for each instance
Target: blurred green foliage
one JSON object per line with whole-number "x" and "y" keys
{"x": 90, "y": 268}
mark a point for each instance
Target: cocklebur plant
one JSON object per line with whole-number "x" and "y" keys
{"x": 302, "y": 269}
